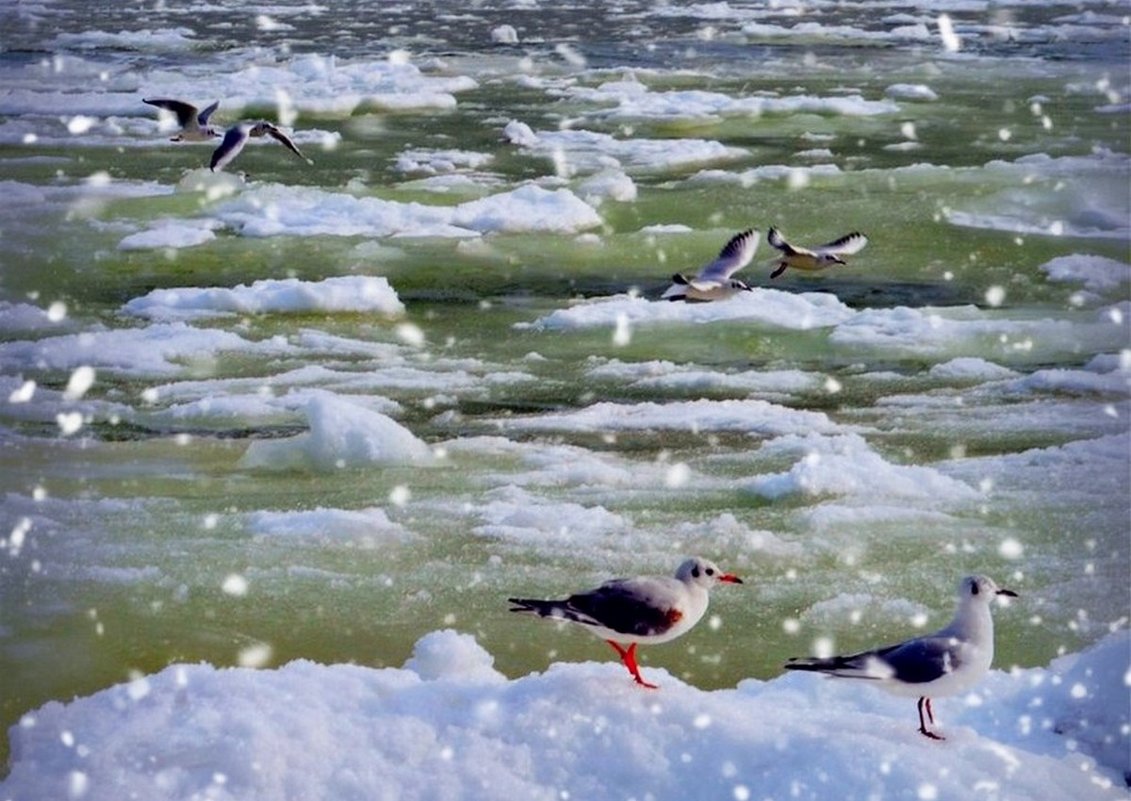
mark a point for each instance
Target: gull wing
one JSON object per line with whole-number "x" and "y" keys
{"x": 735, "y": 255}
{"x": 230, "y": 147}
{"x": 186, "y": 112}
{"x": 626, "y": 606}
{"x": 285, "y": 140}
{"x": 776, "y": 240}
{"x": 845, "y": 246}
{"x": 203, "y": 116}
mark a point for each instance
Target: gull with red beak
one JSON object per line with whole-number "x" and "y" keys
{"x": 646, "y": 610}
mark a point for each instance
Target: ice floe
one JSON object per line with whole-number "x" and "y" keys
{"x": 353, "y": 293}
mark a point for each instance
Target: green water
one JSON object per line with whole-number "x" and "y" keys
{"x": 142, "y": 522}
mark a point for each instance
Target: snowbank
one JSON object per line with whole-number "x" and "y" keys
{"x": 448, "y": 725}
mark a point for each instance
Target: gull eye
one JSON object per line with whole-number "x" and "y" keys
{"x": 710, "y": 571}
{"x": 695, "y": 572}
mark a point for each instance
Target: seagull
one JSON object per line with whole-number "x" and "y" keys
{"x": 632, "y": 611}
{"x": 193, "y": 122}
{"x": 948, "y": 662}
{"x": 237, "y": 136}
{"x": 818, "y": 258}
{"x": 714, "y": 281}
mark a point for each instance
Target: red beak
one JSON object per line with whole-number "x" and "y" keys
{"x": 730, "y": 578}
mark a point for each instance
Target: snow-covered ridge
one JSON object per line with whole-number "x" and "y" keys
{"x": 449, "y": 725}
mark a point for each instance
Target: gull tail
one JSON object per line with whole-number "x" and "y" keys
{"x": 847, "y": 667}
{"x": 558, "y": 610}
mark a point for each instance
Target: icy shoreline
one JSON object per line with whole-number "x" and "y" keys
{"x": 448, "y": 725}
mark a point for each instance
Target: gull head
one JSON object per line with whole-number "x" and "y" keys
{"x": 704, "y": 573}
{"x": 981, "y": 589}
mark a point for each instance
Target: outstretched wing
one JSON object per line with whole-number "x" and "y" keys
{"x": 230, "y": 147}
{"x": 776, "y": 240}
{"x": 845, "y": 246}
{"x": 735, "y": 255}
{"x": 285, "y": 140}
{"x": 203, "y": 116}
{"x": 185, "y": 112}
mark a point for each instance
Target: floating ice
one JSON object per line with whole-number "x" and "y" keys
{"x": 169, "y": 234}
{"x": 769, "y": 307}
{"x": 342, "y": 434}
{"x": 352, "y": 293}
{"x": 847, "y": 465}
{"x": 747, "y": 416}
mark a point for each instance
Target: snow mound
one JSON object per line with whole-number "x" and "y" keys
{"x": 342, "y": 434}
{"x": 447, "y": 725}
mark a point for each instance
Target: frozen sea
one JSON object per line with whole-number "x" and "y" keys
{"x": 278, "y": 442}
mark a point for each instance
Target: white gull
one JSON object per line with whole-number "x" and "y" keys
{"x": 193, "y": 122}
{"x": 713, "y": 281}
{"x": 646, "y": 610}
{"x": 817, "y": 259}
{"x": 948, "y": 662}
{"x": 237, "y": 136}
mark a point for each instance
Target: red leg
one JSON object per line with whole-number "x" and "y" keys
{"x": 926, "y": 702}
{"x": 628, "y": 657}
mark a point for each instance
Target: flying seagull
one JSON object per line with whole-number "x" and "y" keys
{"x": 713, "y": 281}
{"x": 948, "y": 662}
{"x": 818, "y": 258}
{"x": 632, "y": 611}
{"x": 237, "y": 136}
{"x": 193, "y": 122}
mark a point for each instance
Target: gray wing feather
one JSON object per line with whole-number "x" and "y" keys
{"x": 230, "y": 147}
{"x": 846, "y": 245}
{"x": 735, "y": 255}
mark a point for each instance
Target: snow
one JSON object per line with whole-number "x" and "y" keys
{"x": 1096, "y": 273}
{"x": 847, "y": 465}
{"x": 358, "y": 293}
{"x": 449, "y": 725}
{"x": 770, "y": 307}
{"x": 274, "y": 210}
{"x": 748, "y": 416}
{"x": 342, "y": 434}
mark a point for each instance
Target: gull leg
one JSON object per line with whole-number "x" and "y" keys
{"x": 926, "y": 702}
{"x": 628, "y": 657}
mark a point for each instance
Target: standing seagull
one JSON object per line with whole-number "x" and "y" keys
{"x": 237, "y": 137}
{"x": 646, "y": 609}
{"x": 194, "y": 123}
{"x": 714, "y": 282}
{"x": 948, "y": 662}
{"x": 816, "y": 259}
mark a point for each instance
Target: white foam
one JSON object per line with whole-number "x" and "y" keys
{"x": 448, "y": 724}
{"x": 353, "y": 293}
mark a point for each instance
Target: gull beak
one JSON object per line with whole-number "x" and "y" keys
{"x": 730, "y": 578}
{"x": 1009, "y": 593}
